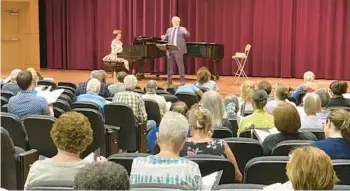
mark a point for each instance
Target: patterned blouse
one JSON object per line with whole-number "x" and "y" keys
{"x": 213, "y": 147}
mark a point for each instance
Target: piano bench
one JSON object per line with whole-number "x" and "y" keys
{"x": 114, "y": 67}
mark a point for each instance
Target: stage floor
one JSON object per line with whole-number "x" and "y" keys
{"x": 225, "y": 83}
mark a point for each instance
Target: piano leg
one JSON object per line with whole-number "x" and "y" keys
{"x": 216, "y": 70}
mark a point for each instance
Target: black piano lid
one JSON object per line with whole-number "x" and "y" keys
{"x": 203, "y": 43}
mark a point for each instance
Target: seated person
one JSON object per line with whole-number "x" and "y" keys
{"x": 101, "y": 75}
{"x": 232, "y": 107}
{"x": 200, "y": 121}
{"x": 266, "y": 85}
{"x": 93, "y": 87}
{"x": 72, "y": 134}
{"x": 308, "y": 86}
{"x": 312, "y": 106}
{"x": 324, "y": 97}
{"x": 338, "y": 88}
{"x": 287, "y": 122}
{"x": 213, "y": 102}
{"x": 337, "y": 131}
{"x": 167, "y": 167}
{"x": 204, "y": 82}
{"x": 36, "y": 77}
{"x": 118, "y": 85}
{"x": 260, "y": 119}
{"x": 25, "y": 103}
{"x": 102, "y": 176}
{"x": 151, "y": 89}
{"x": 180, "y": 107}
{"x": 281, "y": 95}
{"x": 245, "y": 99}
{"x": 309, "y": 168}
{"x": 12, "y": 85}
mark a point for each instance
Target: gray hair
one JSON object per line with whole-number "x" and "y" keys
{"x": 324, "y": 96}
{"x": 212, "y": 101}
{"x": 14, "y": 74}
{"x": 102, "y": 176}
{"x": 312, "y": 103}
{"x": 130, "y": 82}
{"x": 232, "y": 99}
{"x": 98, "y": 74}
{"x": 93, "y": 85}
{"x": 151, "y": 86}
{"x": 309, "y": 76}
{"x": 173, "y": 129}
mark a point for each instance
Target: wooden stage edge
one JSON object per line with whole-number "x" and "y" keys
{"x": 226, "y": 83}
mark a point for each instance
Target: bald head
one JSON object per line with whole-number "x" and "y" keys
{"x": 151, "y": 86}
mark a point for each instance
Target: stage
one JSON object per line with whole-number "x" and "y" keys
{"x": 225, "y": 83}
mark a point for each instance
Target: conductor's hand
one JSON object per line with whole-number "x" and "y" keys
{"x": 183, "y": 29}
{"x": 163, "y": 37}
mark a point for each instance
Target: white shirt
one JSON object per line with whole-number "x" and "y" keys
{"x": 175, "y": 37}
{"x": 160, "y": 100}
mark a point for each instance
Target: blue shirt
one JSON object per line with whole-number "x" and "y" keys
{"x": 25, "y": 103}
{"x": 190, "y": 88}
{"x": 93, "y": 97}
{"x": 81, "y": 89}
{"x": 336, "y": 148}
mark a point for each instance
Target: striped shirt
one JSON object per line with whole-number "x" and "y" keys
{"x": 135, "y": 101}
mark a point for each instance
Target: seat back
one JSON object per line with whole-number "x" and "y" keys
{"x": 126, "y": 159}
{"x": 319, "y": 133}
{"x": 189, "y": 98}
{"x": 222, "y": 132}
{"x": 283, "y": 148}
{"x": 156, "y": 186}
{"x": 161, "y": 92}
{"x": 68, "y": 84}
{"x": 68, "y": 88}
{"x": 170, "y": 98}
{"x": 13, "y": 124}
{"x": 341, "y": 187}
{"x": 122, "y": 116}
{"x": 7, "y": 94}
{"x": 97, "y": 125}
{"x": 48, "y": 83}
{"x": 85, "y": 104}
{"x": 342, "y": 169}
{"x": 244, "y": 150}
{"x": 51, "y": 185}
{"x": 234, "y": 127}
{"x": 247, "y": 49}
{"x": 152, "y": 110}
{"x": 250, "y": 187}
{"x": 171, "y": 90}
{"x": 62, "y": 105}
{"x": 58, "y": 112}
{"x": 4, "y": 101}
{"x": 266, "y": 170}
{"x": 38, "y": 129}
{"x": 5, "y": 108}
{"x": 8, "y": 164}
{"x": 66, "y": 98}
{"x": 335, "y": 108}
{"x": 209, "y": 164}
{"x": 69, "y": 93}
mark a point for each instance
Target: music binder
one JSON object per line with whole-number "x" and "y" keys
{"x": 167, "y": 47}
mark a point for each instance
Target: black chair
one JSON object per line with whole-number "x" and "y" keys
{"x": 152, "y": 110}
{"x": 155, "y": 187}
{"x": 68, "y": 88}
{"x": 244, "y": 150}
{"x": 4, "y": 108}
{"x": 58, "y": 112}
{"x": 6, "y": 94}
{"x": 234, "y": 127}
{"x": 245, "y": 112}
{"x": 66, "y": 98}
{"x": 85, "y": 104}
{"x": 171, "y": 90}
{"x": 189, "y": 98}
{"x": 109, "y": 98}
{"x": 4, "y": 100}
{"x": 342, "y": 169}
{"x": 13, "y": 124}
{"x": 105, "y": 138}
{"x": 51, "y": 185}
{"x": 70, "y": 94}
{"x": 62, "y": 105}
{"x": 222, "y": 132}
{"x": 283, "y": 148}
{"x": 48, "y": 83}
{"x": 125, "y": 159}
{"x": 300, "y": 97}
{"x": 138, "y": 91}
{"x": 240, "y": 187}
{"x": 14, "y": 166}
{"x": 209, "y": 164}
{"x": 161, "y": 92}
{"x": 266, "y": 170}
{"x": 132, "y": 135}
{"x": 170, "y": 98}
{"x": 341, "y": 187}
{"x": 67, "y": 84}
{"x": 38, "y": 129}
{"x": 319, "y": 133}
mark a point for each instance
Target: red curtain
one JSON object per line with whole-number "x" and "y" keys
{"x": 288, "y": 37}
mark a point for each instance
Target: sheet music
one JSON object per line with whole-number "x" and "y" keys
{"x": 168, "y": 105}
{"x": 50, "y": 97}
{"x": 262, "y": 134}
{"x": 211, "y": 180}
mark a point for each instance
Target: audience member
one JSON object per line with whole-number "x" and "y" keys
{"x": 308, "y": 86}
{"x": 245, "y": 99}
{"x": 35, "y": 78}
{"x": 189, "y": 88}
{"x": 266, "y": 85}
{"x": 93, "y": 88}
{"x": 101, "y": 75}
{"x": 312, "y": 106}
{"x": 179, "y": 107}
{"x": 72, "y": 134}
{"x": 132, "y": 99}
{"x": 151, "y": 89}
{"x": 324, "y": 97}
{"x": 281, "y": 95}
{"x": 118, "y": 85}
{"x": 287, "y": 121}
{"x": 204, "y": 80}
{"x": 232, "y": 107}
{"x": 337, "y": 131}
{"x": 338, "y": 88}
{"x": 260, "y": 119}
{"x": 201, "y": 125}
{"x": 12, "y": 85}
{"x": 167, "y": 167}
{"x": 25, "y": 103}
{"x": 102, "y": 176}
{"x": 213, "y": 102}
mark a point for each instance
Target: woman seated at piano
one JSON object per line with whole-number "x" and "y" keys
{"x": 116, "y": 47}
{"x": 204, "y": 80}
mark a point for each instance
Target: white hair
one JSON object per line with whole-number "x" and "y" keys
{"x": 312, "y": 103}
{"x": 93, "y": 85}
{"x": 173, "y": 128}
{"x": 130, "y": 82}
{"x": 14, "y": 74}
{"x": 212, "y": 101}
{"x": 309, "y": 76}
{"x": 151, "y": 86}
{"x": 175, "y": 18}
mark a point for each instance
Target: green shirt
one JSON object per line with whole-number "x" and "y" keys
{"x": 259, "y": 118}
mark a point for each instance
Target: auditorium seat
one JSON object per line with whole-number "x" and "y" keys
{"x": 67, "y": 84}
{"x": 222, "y": 132}
{"x": 161, "y": 92}
{"x": 125, "y": 159}
{"x": 38, "y": 129}
{"x": 13, "y": 124}
{"x": 109, "y": 98}
{"x": 48, "y": 83}
{"x": 155, "y": 187}
{"x": 342, "y": 168}
{"x": 62, "y": 105}
{"x": 319, "y": 133}
{"x": 14, "y": 167}
{"x": 152, "y": 110}
{"x": 85, "y": 104}
{"x": 51, "y": 185}
{"x": 171, "y": 90}
{"x": 266, "y": 170}
{"x": 189, "y": 98}
{"x": 132, "y": 135}
{"x": 170, "y": 98}
{"x": 4, "y": 108}
{"x": 138, "y": 91}
{"x": 234, "y": 127}
{"x": 4, "y": 100}
{"x": 341, "y": 187}
{"x": 283, "y": 148}
{"x": 70, "y": 94}
{"x": 244, "y": 149}
{"x": 58, "y": 112}
{"x": 68, "y": 88}
{"x": 210, "y": 163}
{"x": 250, "y": 187}
{"x": 66, "y": 98}
{"x": 7, "y": 94}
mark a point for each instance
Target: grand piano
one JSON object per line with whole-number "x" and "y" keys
{"x": 145, "y": 48}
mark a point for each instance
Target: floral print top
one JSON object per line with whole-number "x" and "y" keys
{"x": 214, "y": 147}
